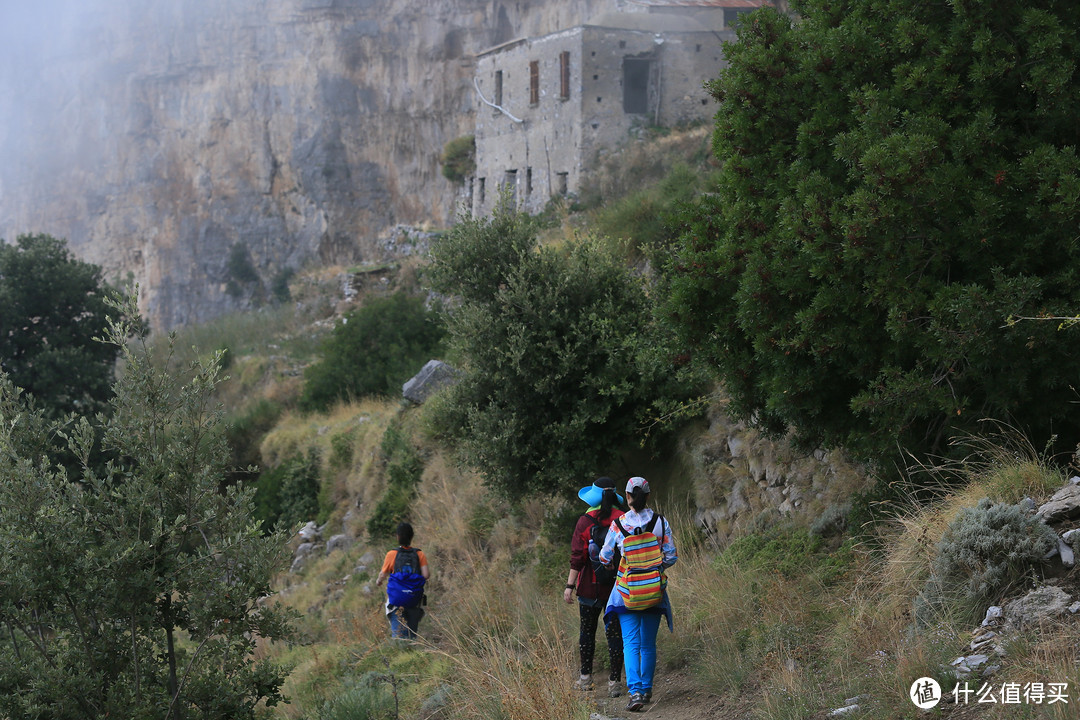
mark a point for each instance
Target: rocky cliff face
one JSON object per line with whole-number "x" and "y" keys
{"x": 168, "y": 141}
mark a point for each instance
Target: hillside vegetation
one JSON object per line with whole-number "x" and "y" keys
{"x": 781, "y": 617}
{"x": 826, "y": 330}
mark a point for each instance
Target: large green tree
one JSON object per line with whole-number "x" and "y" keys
{"x": 562, "y": 364}
{"x": 898, "y": 179}
{"x": 51, "y": 307}
{"x": 131, "y": 592}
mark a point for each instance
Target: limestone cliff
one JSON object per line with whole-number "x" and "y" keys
{"x": 158, "y": 136}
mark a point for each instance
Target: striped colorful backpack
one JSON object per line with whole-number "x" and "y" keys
{"x": 641, "y": 580}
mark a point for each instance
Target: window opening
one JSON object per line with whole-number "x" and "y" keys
{"x": 528, "y": 181}
{"x": 480, "y": 193}
{"x": 562, "y": 179}
{"x": 498, "y": 87}
{"x": 564, "y": 75}
{"x": 534, "y": 82}
{"x": 636, "y": 73}
{"x": 510, "y": 186}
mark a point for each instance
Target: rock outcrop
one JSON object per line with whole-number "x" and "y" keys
{"x": 170, "y": 141}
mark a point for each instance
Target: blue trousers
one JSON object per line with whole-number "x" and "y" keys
{"x": 405, "y": 627}
{"x": 639, "y": 649}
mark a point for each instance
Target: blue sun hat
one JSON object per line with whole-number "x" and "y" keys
{"x": 591, "y": 495}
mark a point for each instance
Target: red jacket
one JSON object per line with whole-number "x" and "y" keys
{"x": 587, "y": 586}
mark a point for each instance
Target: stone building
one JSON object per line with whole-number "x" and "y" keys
{"x": 548, "y": 106}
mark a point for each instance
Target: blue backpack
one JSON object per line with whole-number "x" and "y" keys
{"x": 405, "y": 586}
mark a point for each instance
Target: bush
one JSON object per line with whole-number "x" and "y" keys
{"x": 403, "y": 469}
{"x": 240, "y": 270}
{"x": 289, "y": 494}
{"x": 52, "y": 306}
{"x": 784, "y": 551}
{"x": 244, "y": 433}
{"x": 373, "y": 351}
{"x": 560, "y": 353}
{"x": 984, "y": 552}
{"x": 645, "y": 217}
{"x": 459, "y": 158}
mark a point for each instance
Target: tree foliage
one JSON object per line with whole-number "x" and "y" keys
{"x": 51, "y": 307}
{"x": 557, "y": 345}
{"x": 131, "y": 592}
{"x": 898, "y": 178}
{"x": 459, "y": 158}
{"x": 374, "y": 351}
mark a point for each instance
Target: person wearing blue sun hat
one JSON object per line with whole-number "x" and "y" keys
{"x": 594, "y": 582}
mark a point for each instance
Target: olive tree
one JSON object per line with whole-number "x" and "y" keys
{"x": 132, "y": 591}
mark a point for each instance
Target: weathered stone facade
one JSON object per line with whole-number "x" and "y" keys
{"x": 161, "y": 137}
{"x": 548, "y": 106}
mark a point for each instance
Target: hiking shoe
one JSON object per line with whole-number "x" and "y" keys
{"x": 613, "y": 689}
{"x": 584, "y": 683}
{"x": 646, "y": 696}
{"x": 636, "y": 702}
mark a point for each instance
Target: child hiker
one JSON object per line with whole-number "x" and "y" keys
{"x": 594, "y": 582}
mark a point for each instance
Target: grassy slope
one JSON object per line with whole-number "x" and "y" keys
{"x": 785, "y": 621}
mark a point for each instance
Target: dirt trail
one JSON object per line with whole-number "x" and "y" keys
{"x": 676, "y": 696}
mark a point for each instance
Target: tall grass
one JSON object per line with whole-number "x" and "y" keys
{"x": 507, "y": 645}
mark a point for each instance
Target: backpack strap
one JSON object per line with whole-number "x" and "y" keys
{"x": 652, "y": 523}
{"x": 621, "y": 528}
{"x": 413, "y": 551}
{"x": 595, "y": 520}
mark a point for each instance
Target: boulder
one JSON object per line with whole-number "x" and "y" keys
{"x": 303, "y": 552}
{"x": 1068, "y": 559}
{"x": 338, "y": 542}
{"x": 434, "y": 376}
{"x": 1063, "y": 505}
{"x": 1040, "y": 604}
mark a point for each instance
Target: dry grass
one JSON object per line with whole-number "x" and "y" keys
{"x": 497, "y": 635}
{"x": 508, "y": 647}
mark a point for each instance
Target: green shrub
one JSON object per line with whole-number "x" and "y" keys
{"x": 786, "y": 551}
{"x": 481, "y": 522}
{"x": 644, "y": 217}
{"x": 341, "y": 450}
{"x": 373, "y": 351}
{"x": 289, "y": 494}
{"x": 279, "y": 286}
{"x": 245, "y": 432}
{"x": 241, "y": 271}
{"x": 404, "y": 467}
{"x": 392, "y": 508}
{"x": 851, "y": 275}
{"x": 986, "y": 550}
{"x": 563, "y": 360}
{"x": 459, "y": 158}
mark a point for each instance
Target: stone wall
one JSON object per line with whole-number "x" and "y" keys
{"x": 743, "y": 479}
